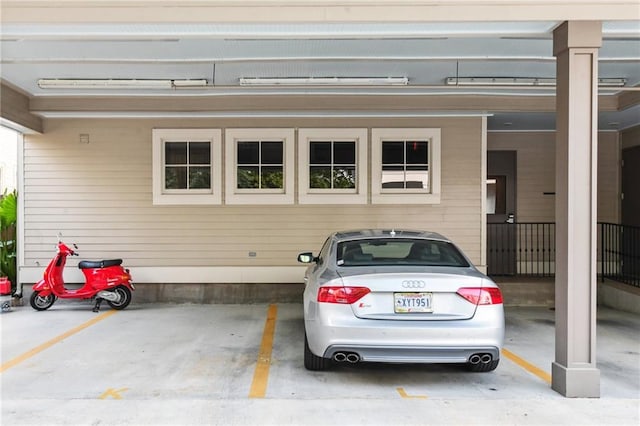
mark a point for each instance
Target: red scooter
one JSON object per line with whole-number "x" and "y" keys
{"x": 104, "y": 279}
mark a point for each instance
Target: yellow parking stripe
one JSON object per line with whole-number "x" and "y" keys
{"x": 404, "y": 394}
{"x": 17, "y": 360}
{"x": 527, "y": 366}
{"x": 261, "y": 373}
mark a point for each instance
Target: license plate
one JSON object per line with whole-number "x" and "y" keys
{"x": 405, "y": 303}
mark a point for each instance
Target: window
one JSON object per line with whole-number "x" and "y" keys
{"x": 259, "y": 166}
{"x": 187, "y": 166}
{"x": 496, "y": 195}
{"x": 332, "y": 166}
{"x": 405, "y": 166}
{"x": 399, "y": 252}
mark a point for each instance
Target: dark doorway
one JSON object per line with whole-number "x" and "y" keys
{"x": 501, "y": 208}
{"x": 630, "y": 188}
{"x": 631, "y": 213}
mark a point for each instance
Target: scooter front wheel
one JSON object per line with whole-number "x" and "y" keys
{"x": 41, "y": 303}
{"x": 125, "y": 298}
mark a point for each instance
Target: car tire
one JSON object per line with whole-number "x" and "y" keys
{"x": 311, "y": 361}
{"x": 483, "y": 368}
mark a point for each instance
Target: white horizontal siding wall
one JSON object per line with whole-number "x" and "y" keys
{"x": 99, "y": 195}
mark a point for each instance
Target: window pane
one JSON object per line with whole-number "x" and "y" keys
{"x": 344, "y": 177}
{"x": 392, "y": 176}
{"x": 320, "y": 177}
{"x": 497, "y": 195}
{"x": 399, "y": 253}
{"x": 200, "y": 178}
{"x": 199, "y": 153}
{"x": 272, "y": 152}
{"x": 344, "y": 153}
{"x": 392, "y": 152}
{"x": 320, "y": 153}
{"x": 272, "y": 177}
{"x": 248, "y": 177}
{"x": 175, "y": 178}
{"x": 175, "y": 153}
{"x": 417, "y": 152}
{"x": 248, "y": 153}
{"x": 417, "y": 177}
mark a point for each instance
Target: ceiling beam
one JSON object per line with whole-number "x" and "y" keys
{"x": 15, "y": 112}
{"x": 628, "y": 100}
{"x": 270, "y": 11}
{"x": 371, "y": 103}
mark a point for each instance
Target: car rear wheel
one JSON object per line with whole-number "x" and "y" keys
{"x": 311, "y": 361}
{"x": 482, "y": 367}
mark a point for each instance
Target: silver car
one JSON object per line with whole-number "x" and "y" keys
{"x": 399, "y": 297}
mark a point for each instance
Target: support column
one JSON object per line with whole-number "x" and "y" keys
{"x": 575, "y": 45}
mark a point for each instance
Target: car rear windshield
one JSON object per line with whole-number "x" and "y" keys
{"x": 398, "y": 251}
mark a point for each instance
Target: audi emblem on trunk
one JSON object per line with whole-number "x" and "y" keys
{"x": 413, "y": 284}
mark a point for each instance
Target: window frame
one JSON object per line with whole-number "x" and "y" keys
{"x": 235, "y": 195}
{"x": 163, "y": 196}
{"x": 381, "y": 195}
{"x": 357, "y": 195}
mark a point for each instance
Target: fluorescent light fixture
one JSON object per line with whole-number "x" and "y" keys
{"x": 324, "y": 81}
{"x": 117, "y": 83}
{"x": 189, "y": 83}
{"x": 522, "y": 81}
{"x": 63, "y": 83}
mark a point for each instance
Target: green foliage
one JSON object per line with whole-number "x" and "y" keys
{"x": 323, "y": 178}
{"x": 272, "y": 178}
{"x": 8, "y": 243}
{"x": 250, "y": 177}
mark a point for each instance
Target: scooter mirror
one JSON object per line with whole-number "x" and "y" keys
{"x": 59, "y": 236}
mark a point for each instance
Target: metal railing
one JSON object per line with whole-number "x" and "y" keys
{"x": 620, "y": 253}
{"x": 528, "y": 249}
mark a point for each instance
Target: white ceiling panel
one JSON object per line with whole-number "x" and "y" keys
{"x": 426, "y": 53}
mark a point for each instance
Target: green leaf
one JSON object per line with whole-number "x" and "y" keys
{"x": 9, "y": 209}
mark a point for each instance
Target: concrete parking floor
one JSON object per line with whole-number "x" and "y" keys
{"x": 242, "y": 365}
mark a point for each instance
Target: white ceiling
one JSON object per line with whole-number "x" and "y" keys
{"x": 426, "y": 53}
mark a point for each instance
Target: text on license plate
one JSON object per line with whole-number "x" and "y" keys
{"x": 412, "y": 302}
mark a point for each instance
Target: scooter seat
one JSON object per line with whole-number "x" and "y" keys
{"x": 92, "y": 264}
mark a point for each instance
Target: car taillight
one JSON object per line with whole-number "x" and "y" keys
{"x": 344, "y": 295}
{"x": 481, "y": 295}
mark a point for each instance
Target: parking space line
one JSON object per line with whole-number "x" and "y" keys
{"x": 404, "y": 394}
{"x": 527, "y": 366}
{"x": 17, "y": 360}
{"x": 261, "y": 373}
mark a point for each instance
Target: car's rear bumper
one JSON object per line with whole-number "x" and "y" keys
{"x": 335, "y": 329}
{"x": 407, "y": 354}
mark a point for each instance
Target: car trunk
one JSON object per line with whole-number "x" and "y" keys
{"x": 413, "y": 295}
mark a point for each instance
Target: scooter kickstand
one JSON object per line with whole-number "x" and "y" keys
{"x": 98, "y": 302}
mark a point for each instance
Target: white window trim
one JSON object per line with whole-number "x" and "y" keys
{"x": 406, "y": 196}
{"x": 243, "y": 196}
{"x": 332, "y": 196}
{"x": 187, "y": 197}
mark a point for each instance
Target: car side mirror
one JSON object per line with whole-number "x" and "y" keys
{"x": 307, "y": 257}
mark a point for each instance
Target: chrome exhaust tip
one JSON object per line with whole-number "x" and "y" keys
{"x": 485, "y": 358}
{"x": 475, "y": 359}
{"x": 353, "y": 358}
{"x": 340, "y": 357}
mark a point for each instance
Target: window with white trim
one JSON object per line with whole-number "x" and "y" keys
{"x": 332, "y": 166}
{"x": 187, "y": 166}
{"x": 259, "y": 166}
{"x": 405, "y": 166}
